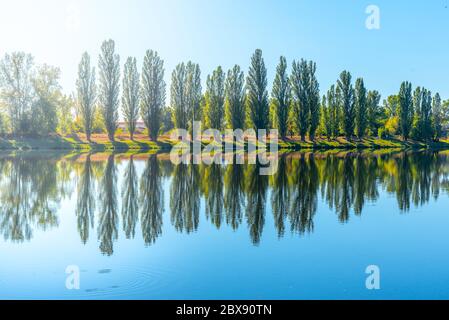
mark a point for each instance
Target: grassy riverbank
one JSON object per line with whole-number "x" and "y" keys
{"x": 123, "y": 143}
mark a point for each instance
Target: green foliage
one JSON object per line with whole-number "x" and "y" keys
{"x": 109, "y": 66}
{"x": 44, "y": 118}
{"x": 86, "y": 91}
{"x": 186, "y": 94}
{"x": 98, "y": 123}
{"x": 214, "y": 99}
{"x": 235, "y": 98}
{"x": 130, "y": 96}
{"x": 193, "y": 93}
{"x": 361, "y": 116}
{"x": 177, "y": 96}
{"x": 405, "y": 109}
{"x": 17, "y": 91}
{"x": 422, "y": 125}
{"x": 392, "y": 105}
{"x": 313, "y": 99}
{"x": 301, "y": 83}
{"x": 65, "y": 113}
{"x": 257, "y": 95}
{"x": 437, "y": 117}
{"x": 152, "y": 92}
{"x": 281, "y": 97}
{"x": 326, "y": 124}
{"x": 167, "y": 119}
{"x": 374, "y": 112}
{"x": 392, "y": 126}
{"x": 347, "y": 103}
{"x": 3, "y": 124}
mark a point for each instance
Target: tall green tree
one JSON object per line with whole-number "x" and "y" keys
{"x": 48, "y": 96}
{"x": 152, "y": 92}
{"x": 281, "y": 95}
{"x": 178, "y": 96}
{"x": 257, "y": 95}
{"x": 109, "y": 65}
{"x": 373, "y": 111}
{"x": 235, "y": 98}
{"x": 17, "y": 93}
{"x": 347, "y": 103}
{"x": 405, "y": 109}
{"x": 326, "y": 123}
{"x": 130, "y": 96}
{"x": 437, "y": 117}
{"x": 214, "y": 99}
{"x": 193, "y": 93}
{"x": 65, "y": 112}
{"x": 333, "y": 103}
{"x": 86, "y": 90}
{"x": 422, "y": 101}
{"x": 313, "y": 100}
{"x": 361, "y": 120}
{"x": 299, "y": 81}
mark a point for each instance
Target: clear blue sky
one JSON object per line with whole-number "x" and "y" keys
{"x": 412, "y": 43}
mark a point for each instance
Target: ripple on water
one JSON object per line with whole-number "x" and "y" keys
{"x": 143, "y": 282}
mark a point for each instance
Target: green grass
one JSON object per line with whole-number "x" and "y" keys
{"x": 70, "y": 143}
{"x": 122, "y": 144}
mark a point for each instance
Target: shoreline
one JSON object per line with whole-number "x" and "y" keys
{"x": 124, "y": 144}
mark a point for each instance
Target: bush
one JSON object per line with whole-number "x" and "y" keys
{"x": 382, "y": 133}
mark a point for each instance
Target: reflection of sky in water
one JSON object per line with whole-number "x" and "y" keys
{"x": 328, "y": 262}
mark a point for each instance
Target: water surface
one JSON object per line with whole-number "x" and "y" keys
{"x": 138, "y": 226}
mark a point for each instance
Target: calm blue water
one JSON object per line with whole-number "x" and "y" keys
{"x": 147, "y": 229}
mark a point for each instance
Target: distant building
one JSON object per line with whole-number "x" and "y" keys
{"x": 140, "y": 126}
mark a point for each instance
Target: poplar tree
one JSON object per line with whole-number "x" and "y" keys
{"x": 373, "y": 111}
{"x": 214, "y": 99}
{"x": 360, "y": 108}
{"x": 193, "y": 93}
{"x": 281, "y": 97}
{"x": 130, "y": 96}
{"x": 152, "y": 92}
{"x": 313, "y": 100}
{"x": 437, "y": 117}
{"x": 235, "y": 98}
{"x": 86, "y": 93}
{"x": 347, "y": 103}
{"x": 406, "y": 109}
{"x": 109, "y": 65}
{"x": 178, "y": 99}
{"x": 423, "y": 114}
{"x": 299, "y": 81}
{"x": 333, "y": 104}
{"x": 257, "y": 95}
{"x": 326, "y": 123}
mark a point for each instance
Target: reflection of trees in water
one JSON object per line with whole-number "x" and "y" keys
{"x": 130, "y": 195}
{"x": 303, "y": 202}
{"x": 85, "y": 205}
{"x": 256, "y": 193}
{"x": 29, "y": 195}
{"x": 108, "y": 218}
{"x": 31, "y": 189}
{"x": 234, "y": 197}
{"x": 185, "y": 197}
{"x": 280, "y": 196}
{"x": 212, "y": 186}
{"x": 151, "y": 201}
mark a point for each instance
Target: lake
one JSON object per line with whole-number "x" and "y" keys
{"x": 136, "y": 226}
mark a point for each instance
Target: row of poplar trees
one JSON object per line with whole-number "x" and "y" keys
{"x": 233, "y": 101}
